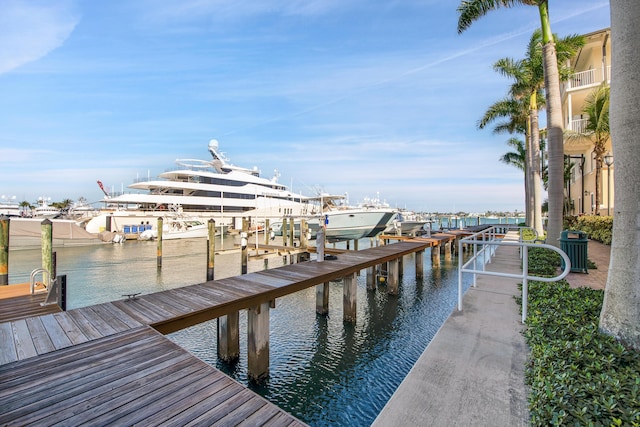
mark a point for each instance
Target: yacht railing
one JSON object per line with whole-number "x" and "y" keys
{"x": 484, "y": 245}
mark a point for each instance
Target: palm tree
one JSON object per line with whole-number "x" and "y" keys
{"x": 620, "y": 316}
{"x": 528, "y": 79}
{"x": 596, "y": 130}
{"x": 515, "y": 158}
{"x": 470, "y": 11}
{"x": 26, "y": 205}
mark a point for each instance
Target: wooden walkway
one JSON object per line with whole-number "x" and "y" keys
{"x": 54, "y": 356}
{"x": 137, "y": 377}
{"x": 17, "y": 302}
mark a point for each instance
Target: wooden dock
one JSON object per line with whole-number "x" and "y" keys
{"x": 106, "y": 364}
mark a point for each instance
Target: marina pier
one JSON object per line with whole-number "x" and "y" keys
{"x": 49, "y": 363}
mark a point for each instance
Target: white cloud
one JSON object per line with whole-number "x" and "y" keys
{"x": 30, "y": 30}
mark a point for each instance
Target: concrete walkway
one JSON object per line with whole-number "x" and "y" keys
{"x": 472, "y": 372}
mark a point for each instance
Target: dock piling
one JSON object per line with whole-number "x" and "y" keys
{"x": 4, "y": 250}
{"x": 159, "y": 242}
{"x": 47, "y": 249}
{"x": 211, "y": 249}
{"x": 349, "y": 298}
{"x": 258, "y": 341}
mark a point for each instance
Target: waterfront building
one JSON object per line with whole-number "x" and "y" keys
{"x": 592, "y": 66}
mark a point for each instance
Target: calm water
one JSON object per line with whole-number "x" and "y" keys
{"x": 322, "y": 370}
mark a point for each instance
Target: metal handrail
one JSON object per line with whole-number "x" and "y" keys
{"x": 32, "y": 278}
{"x": 489, "y": 242}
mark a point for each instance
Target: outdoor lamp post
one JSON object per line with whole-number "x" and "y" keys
{"x": 608, "y": 160}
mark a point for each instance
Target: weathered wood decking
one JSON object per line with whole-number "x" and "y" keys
{"x": 17, "y": 302}
{"x": 136, "y": 377}
{"x": 104, "y": 364}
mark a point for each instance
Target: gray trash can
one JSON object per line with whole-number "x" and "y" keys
{"x": 574, "y": 244}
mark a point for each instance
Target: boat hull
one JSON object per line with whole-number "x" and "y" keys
{"x": 353, "y": 224}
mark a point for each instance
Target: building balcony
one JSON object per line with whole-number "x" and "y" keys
{"x": 587, "y": 79}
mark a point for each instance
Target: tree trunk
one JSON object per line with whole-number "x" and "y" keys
{"x": 536, "y": 174}
{"x": 620, "y": 315}
{"x": 598, "y": 184}
{"x": 555, "y": 144}
{"x": 528, "y": 174}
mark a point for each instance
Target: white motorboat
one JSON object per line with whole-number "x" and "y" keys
{"x": 407, "y": 223}
{"x": 204, "y": 189}
{"x": 178, "y": 228}
{"x": 81, "y": 211}
{"x": 44, "y": 210}
{"x": 344, "y": 222}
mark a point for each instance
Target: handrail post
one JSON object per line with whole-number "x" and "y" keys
{"x": 525, "y": 281}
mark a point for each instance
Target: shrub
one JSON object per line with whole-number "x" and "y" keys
{"x": 576, "y": 375}
{"x": 597, "y": 227}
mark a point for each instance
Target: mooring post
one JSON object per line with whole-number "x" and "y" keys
{"x": 420, "y": 265}
{"x": 350, "y": 297}
{"x": 322, "y": 290}
{"x": 229, "y": 325}
{"x": 211, "y": 249}
{"x": 284, "y": 230}
{"x": 322, "y": 298}
{"x": 304, "y": 241}
{"x": 47, "y": 250}
{"x": 258, "y": 341}
{"x": 229, "y": 337}
{"x": 159, "y": 239}
{"x": 447, "y": 251}
{"x": 371, "y": 278}
{"x": 267, "y": 231}
{"x": 4, "y": 250}
{"x": 435, "y": 255}
{"x": 393, "y": 280}
{"x": 243, "y": 246}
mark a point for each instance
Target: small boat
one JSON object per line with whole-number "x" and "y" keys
{"x": 407, "y": 223}
{"x": 178, "y": 228}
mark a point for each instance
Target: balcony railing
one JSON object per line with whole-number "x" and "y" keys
{"x": 578, "y": 125}
{"x": 589, "y": 78}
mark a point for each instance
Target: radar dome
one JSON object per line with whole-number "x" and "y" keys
{"x": 213, "y": 144}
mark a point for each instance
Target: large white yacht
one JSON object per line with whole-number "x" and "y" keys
{"x": 204, "y": 188}
{"x": 217, "y": 189}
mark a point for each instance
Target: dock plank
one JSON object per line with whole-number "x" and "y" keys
{"x": 84, "y": 325}
{"x": 39, "y": 334}
{"x": 8, "y": 350}
{"x": 56, "y": 333}
{"x": 23, "y": 342}
{"x": 70, "y": 328}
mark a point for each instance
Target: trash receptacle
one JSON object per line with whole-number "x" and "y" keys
{"x": 574, "y": 244}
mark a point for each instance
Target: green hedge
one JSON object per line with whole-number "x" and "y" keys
{"x": 597, "y": 227}
{"x": 575, "y": 374}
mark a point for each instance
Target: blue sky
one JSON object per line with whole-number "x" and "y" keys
{"x": 368, "y": 98}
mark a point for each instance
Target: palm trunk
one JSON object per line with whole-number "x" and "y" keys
{"x": 554, "y": 129}
{"x": 528, "y": 163}
{"x": 555, "y": 144}
{"x": 620, "y": 316}
{"x": 536, "y": 176}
